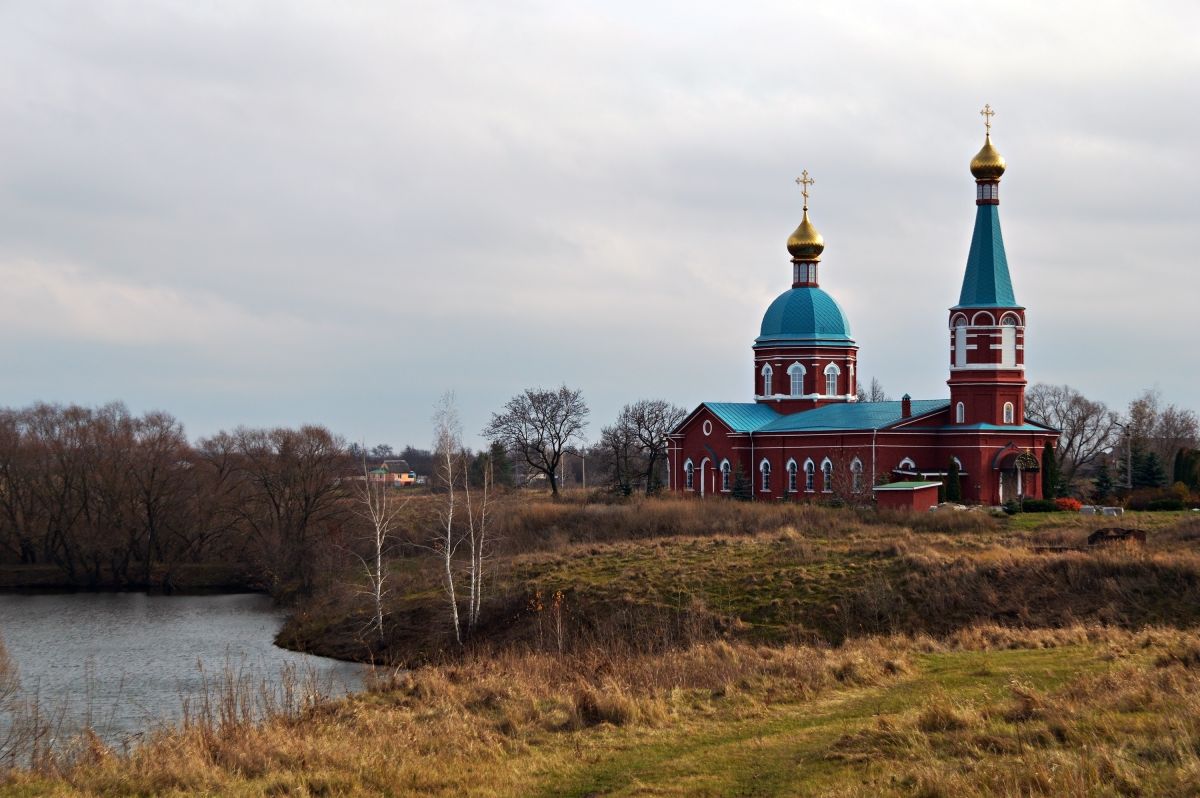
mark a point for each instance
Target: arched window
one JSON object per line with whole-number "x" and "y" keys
{"x": 809, "y": 472}
{"x": 827, "y": 475}
{"x": 791, "y": 469}
{"x": 960, "y": 413}
{"x": 1008, "y": 341}
{"x": 983, "y": 319}
{"x": 960, "y": 340}
{"x": 831, "y": 379}
{"x": 908, "y": 465}
{"x": 796, "y": 373}
{"x": 1008, "y": 413}
{"x": 765, "y": 468}
{"x": 767, "y": 373}
{"x": 856, "y": 475}
{"x": 689, "y": 475}
{"x": 725, "y": 475}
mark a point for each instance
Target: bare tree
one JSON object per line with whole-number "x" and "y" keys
{"x": 1162, "y": 430}
{"x": 289, "y": 496}
{"x": 379, "y": 507}
{"x": 1089, "y": 428}
{"x": 651, "y": 421}
{"x": 620, "y": 456}
{"x": 873, "y": 393}
{"x": 539, "y": 425}
{"x": 448, "y": 471}
{"x": 635, "y": 446}
{"x": 478, "y": 538}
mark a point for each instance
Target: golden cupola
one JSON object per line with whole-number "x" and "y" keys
{"x": 988, "y": 164}
{"x": 805, "y": 243}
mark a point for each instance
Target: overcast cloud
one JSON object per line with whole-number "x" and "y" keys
{"x": 273, "y": 213}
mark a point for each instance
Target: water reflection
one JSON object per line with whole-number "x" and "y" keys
{"x": 124, "y": 662}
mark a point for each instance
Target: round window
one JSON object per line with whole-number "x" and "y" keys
{"x": 708, "y": 428}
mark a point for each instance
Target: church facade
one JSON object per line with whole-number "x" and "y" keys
{"x": 806, "y": 436}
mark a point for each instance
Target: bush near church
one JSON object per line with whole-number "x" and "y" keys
{"x": 1175, "y": 498}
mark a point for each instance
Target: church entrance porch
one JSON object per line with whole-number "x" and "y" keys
{"x": 1014, "y": 467}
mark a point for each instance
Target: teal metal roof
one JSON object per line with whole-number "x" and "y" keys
{"x": 852, "y": 415}
{"x": 987, "y": 282}
{"x": 755, "y": 417}
{"x": 742, "y": 416}
{"x": 805, "y": 314}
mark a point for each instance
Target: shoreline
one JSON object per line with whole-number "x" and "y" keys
{"x": 190, "y": 579}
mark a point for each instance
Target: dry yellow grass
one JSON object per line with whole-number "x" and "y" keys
{"x": 988, "y": 711}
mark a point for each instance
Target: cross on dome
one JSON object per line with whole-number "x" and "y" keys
{"x": 987, "y": 113}
{"x": 804, "y": 181}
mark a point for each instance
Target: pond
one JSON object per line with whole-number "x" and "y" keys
{"x": 124, "y": 663}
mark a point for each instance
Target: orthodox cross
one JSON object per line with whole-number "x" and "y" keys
{"x": 987, "y": 113}
{"x": 804, "y": 182}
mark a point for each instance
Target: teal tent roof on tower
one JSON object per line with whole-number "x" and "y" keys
{"x": 987, "y": 283}
{"x": 806, "y": 314}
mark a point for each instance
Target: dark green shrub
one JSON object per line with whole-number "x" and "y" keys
{"x": 1166, "y": 503}
{"x": 1039, "y": 506}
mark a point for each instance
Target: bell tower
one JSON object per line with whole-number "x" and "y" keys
{"x": 987, "y": 326}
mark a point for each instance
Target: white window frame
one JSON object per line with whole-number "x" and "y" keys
{"x": 810, "y": 476}
{"x": 764, "y": 469}
{"x": 796, "y": 374}
{"x": 960, "y": 413}
{"x": 827, "y": 476}
{"x": 767, "y": 374}
{"x": 983, "y": 319}
{"x": 791, "y": 471}
{"x": 1010, "y": 413}
{"x": 856, "y": 475}
{"x": 689, "y": 475}
{"x": 1008, "y": 341}
{"x": 725, "y": 470}
{"x": 960, "y": 340}
{"x": 832, "y": 371}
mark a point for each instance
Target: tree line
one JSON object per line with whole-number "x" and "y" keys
{"x": 116, "y": 499}
{"x": 1152, "y": 444}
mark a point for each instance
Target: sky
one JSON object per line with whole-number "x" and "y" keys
{"x": 275, "y": 213}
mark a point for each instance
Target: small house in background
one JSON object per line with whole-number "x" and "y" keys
{"x": 918, "y": 496}
{"x": 393, "y": 472}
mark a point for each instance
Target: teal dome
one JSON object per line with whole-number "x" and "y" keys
{"x": 805, "y": 314}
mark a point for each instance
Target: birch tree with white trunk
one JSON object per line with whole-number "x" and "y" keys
{"x": 448, "y": 471}
{"x": 380, "y": 508}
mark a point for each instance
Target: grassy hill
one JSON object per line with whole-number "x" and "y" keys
{"x": 681, "y": 572}
{"x": 674, "y": 648}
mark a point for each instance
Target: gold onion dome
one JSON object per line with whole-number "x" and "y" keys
{"x": 805, "y": 243}
{"x": 988, "y": 164}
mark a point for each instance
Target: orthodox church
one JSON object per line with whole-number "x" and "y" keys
{"x": 806, "y": 436}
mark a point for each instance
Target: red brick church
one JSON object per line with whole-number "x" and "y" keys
{"x": 807, "y": 436}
